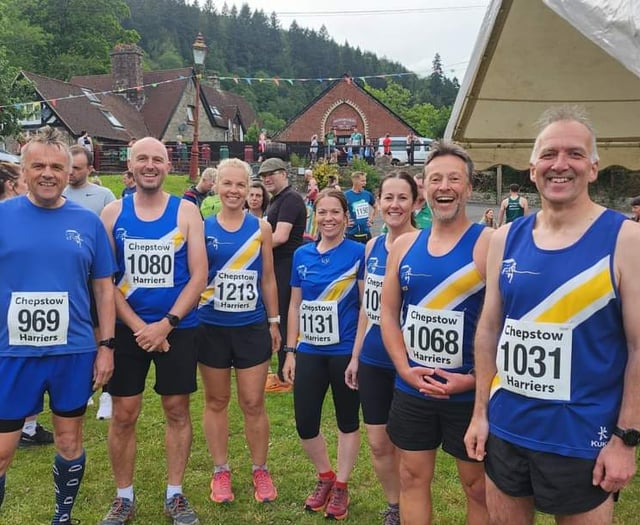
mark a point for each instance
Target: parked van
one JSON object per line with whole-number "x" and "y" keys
{"x": 399, "y": 149}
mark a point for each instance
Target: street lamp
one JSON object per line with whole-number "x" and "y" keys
{"x": 199, "y": 54}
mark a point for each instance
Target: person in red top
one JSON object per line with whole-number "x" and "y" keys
{"x": 386, "y": 145}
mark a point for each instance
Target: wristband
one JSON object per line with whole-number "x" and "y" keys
{"x": 274, "y": 320}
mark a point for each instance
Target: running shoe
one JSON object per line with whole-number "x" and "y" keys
{"x": 41, "y": 437}
{"x": 180, "y": 511}
{"x": 338, "y": 506}
{"x": 221, "y": 487}
{"x": 122, "y": 511}
{"x": 104, "y": 406}
{"x": 265, "y": 490}
{"x": 318, "y": 499}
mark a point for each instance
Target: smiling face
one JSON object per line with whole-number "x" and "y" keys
{"x": 149, "y": 164}
{"x": 447, "y": 187}
{"x": 46, "y": 171}
{"x": 331, "y": 217}
{"x": 396, "y": 203}
{"x": 275, "y": 181}
{"x": 233, "y": 184}
{"x": 562, "y": 167}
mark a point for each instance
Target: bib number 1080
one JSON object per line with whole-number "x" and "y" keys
{"x": 154, "y": 264}
{"x": 534, "y": 361}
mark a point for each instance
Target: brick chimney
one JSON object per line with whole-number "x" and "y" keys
{"x": 126, "y": 70}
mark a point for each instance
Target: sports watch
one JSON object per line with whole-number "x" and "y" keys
{"x": 108, "y": 343}
{"x": 174, "y": 320}
{"x": 629, "y": 436}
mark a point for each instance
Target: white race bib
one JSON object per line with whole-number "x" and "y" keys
{"x": 361, "y": 210}
{"x": 371, "y": 298}
{"x": 149, "y": 263}
{"x": 236, "y": 290}
{"x": 319, "y": 322}
{"x": 534, "y": 359}
{"x": 38, "y": 318}
{"x": 434, "y": 338}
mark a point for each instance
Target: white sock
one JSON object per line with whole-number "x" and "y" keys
{"x": 126, "y": 492}
{"x": 221, "y": 468}
{"x": 172, "y": 490}
{"x": 30, "y": 427}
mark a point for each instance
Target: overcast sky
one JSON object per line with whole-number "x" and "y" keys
{"x": 408, "y": 31}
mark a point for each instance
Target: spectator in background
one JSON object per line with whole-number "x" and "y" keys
{"x": 422, "y": 210}
{"x": 85, "y": 141}
{"x": 369, "y": 152}
{"x": 411, "y": 141}
{"x": 129, "y": 184}
{"x": 356, "y": 141}
{"x": 488, "y": 219}
{"x": 257, "y": 199}
{"x": 635, "y": 209}
{"x": 200, "y": 191}
{"x": 332, "y": 183}
{"x": 329, "y": 144}
{"x": 513, "y": 206}
{"x": 287, "y": 215}
{"x": 312, "y": 186}
{"x": 362, "y": 208}
{"x": 313, "y": 148}
{"x": 386, "y": 145}
{"x": 211, "y": 204}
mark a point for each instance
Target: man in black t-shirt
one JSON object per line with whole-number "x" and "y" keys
{"x": 287, "y": 215}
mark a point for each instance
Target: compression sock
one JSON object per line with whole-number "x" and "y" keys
{"x": 67, "y": 476}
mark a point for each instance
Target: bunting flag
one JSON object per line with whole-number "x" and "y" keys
{"x": 235, "y": 78}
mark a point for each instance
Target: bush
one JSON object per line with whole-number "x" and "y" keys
{"x": 321, "y": 172}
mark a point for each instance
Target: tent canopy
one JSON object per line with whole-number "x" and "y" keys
{"x": 528, "y": 58}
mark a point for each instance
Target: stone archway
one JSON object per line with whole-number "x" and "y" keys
{"x": 351, "y": 104}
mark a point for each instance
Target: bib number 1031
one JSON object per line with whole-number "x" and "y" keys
{"x": 534, "y": 359}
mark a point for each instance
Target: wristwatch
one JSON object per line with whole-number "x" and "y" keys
{"x": 174, "y": 320}
{"x": 629, "y": 436}
{"x": 109, "y": 343}
{"x": 289, "y": 349}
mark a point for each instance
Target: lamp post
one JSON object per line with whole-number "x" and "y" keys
{"x": 199, "y": 54}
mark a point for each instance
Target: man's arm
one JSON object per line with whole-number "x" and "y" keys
{"x": 269, "y": 287}
{"x": 616, "y": 463}
{"x": 486, "y": 348}
{"x": 281, "y": 233}
{"x": 103, "y": 291}
{"x": 525, "y": 205}
{"x": 503, "y": 206}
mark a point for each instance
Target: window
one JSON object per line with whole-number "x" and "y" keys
{"x": 215, "y": 111}
{"x": 90, "y": 95}
{"x": 112, "y": 120}
{"x": 190, "y": 112}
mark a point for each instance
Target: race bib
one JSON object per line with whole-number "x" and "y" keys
{"x": 319, "y": 322}
{"x": 236, "y": 290}
{"x": 534, "y": 359}
{"x": 149, "y": 263}
{"x": 372, "y": 291}
{"x": 38, "y": 318}
{"x": 361, "y": 210}
{"x": 434, "y": 338}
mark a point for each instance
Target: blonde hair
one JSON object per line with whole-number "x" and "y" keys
{"x": 235, "y": 163}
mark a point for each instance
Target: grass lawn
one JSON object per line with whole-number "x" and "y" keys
{"x": 29, "y": 497}
{"x": 175, "y": 184}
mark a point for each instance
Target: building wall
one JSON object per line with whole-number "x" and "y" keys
{"x": 344, "y": 104}
{"x": 179, "y": 126}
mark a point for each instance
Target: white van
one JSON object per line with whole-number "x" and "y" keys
{"x": 399, "y": 149}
